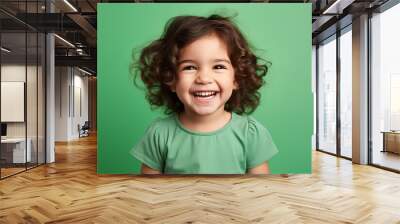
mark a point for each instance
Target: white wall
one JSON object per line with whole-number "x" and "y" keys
{"x": 71, "y": 102}
{"x": 9, "y": 73}
{"x": 16, "y": 72}
{"x": 62, "y": 81}
{"x": 80, "y": 110}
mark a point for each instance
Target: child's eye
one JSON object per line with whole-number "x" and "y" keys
{"x": 219, "y": 67}
{"x": 189, "y": 67}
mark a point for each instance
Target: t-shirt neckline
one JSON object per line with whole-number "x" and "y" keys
{"x": 226, "y": 126}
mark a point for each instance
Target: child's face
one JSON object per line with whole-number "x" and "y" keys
{"x": 205, "y": 76}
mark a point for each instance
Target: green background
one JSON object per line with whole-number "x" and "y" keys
{"x": 281, "y": 34}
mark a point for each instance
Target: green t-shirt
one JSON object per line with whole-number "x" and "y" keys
{"x": 169, "y": 147}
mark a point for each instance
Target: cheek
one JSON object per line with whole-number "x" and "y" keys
{"x": 230, "y": 82}
{"x": 182, "y": 86}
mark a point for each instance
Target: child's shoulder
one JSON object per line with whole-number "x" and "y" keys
{"x": 250, "y": 126}
{"x": 163, "y": 122}
{"x": 248, "y": 121}
{"x": 161, "y": 128}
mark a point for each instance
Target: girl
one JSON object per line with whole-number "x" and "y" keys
{"x": 204, "y": 74}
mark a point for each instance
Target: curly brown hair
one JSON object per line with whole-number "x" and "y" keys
{"x": 157, "y": 64}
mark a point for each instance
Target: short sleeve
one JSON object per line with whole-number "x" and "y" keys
{"x": 149, "y": 150}
{"x": 260, "y": 146}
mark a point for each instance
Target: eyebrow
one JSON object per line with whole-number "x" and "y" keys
{"x": 193, "y": 61}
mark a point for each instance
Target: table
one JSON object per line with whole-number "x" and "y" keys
{"x": 391, "y": 141}
{"x": 16, "y": 147}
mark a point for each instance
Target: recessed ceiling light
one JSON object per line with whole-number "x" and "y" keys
{"x": 70, "y": 5}
{"x": 84, "y": 71}
{"x": 64, "y": 40}
{"x": 337, "y": 7}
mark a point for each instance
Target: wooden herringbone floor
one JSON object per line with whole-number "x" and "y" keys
{"x": 69, "y": 191}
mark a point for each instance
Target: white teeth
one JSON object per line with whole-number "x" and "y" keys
{"x": 204, "y": 93}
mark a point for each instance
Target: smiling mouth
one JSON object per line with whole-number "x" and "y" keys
{"x": 204, "y": 94}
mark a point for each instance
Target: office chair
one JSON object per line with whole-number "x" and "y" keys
{"x": 84, "y": 130}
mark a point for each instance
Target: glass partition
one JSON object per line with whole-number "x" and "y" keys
{"x": 22, "y": 88}
{"x": 385, "y": 89}
{"x": 13, "y": 108}
{"x": 41, "y": 86}
{"x": 31, "y": 100}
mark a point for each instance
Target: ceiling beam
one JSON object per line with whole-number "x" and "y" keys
{"x": 85, "y": 25}
{"x": 85, "y": 61}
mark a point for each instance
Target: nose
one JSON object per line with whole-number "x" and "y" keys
{"x": 203, "y": 77}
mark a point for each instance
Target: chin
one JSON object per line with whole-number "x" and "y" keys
{"x": 204, "y": 111}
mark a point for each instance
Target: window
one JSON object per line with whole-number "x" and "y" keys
{"x": 327, "y": 95}
{"x": 346, "y": 92}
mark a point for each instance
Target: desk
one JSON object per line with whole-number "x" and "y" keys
{"x": 16, "y": 147}
{"x": 391, "y": 141}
